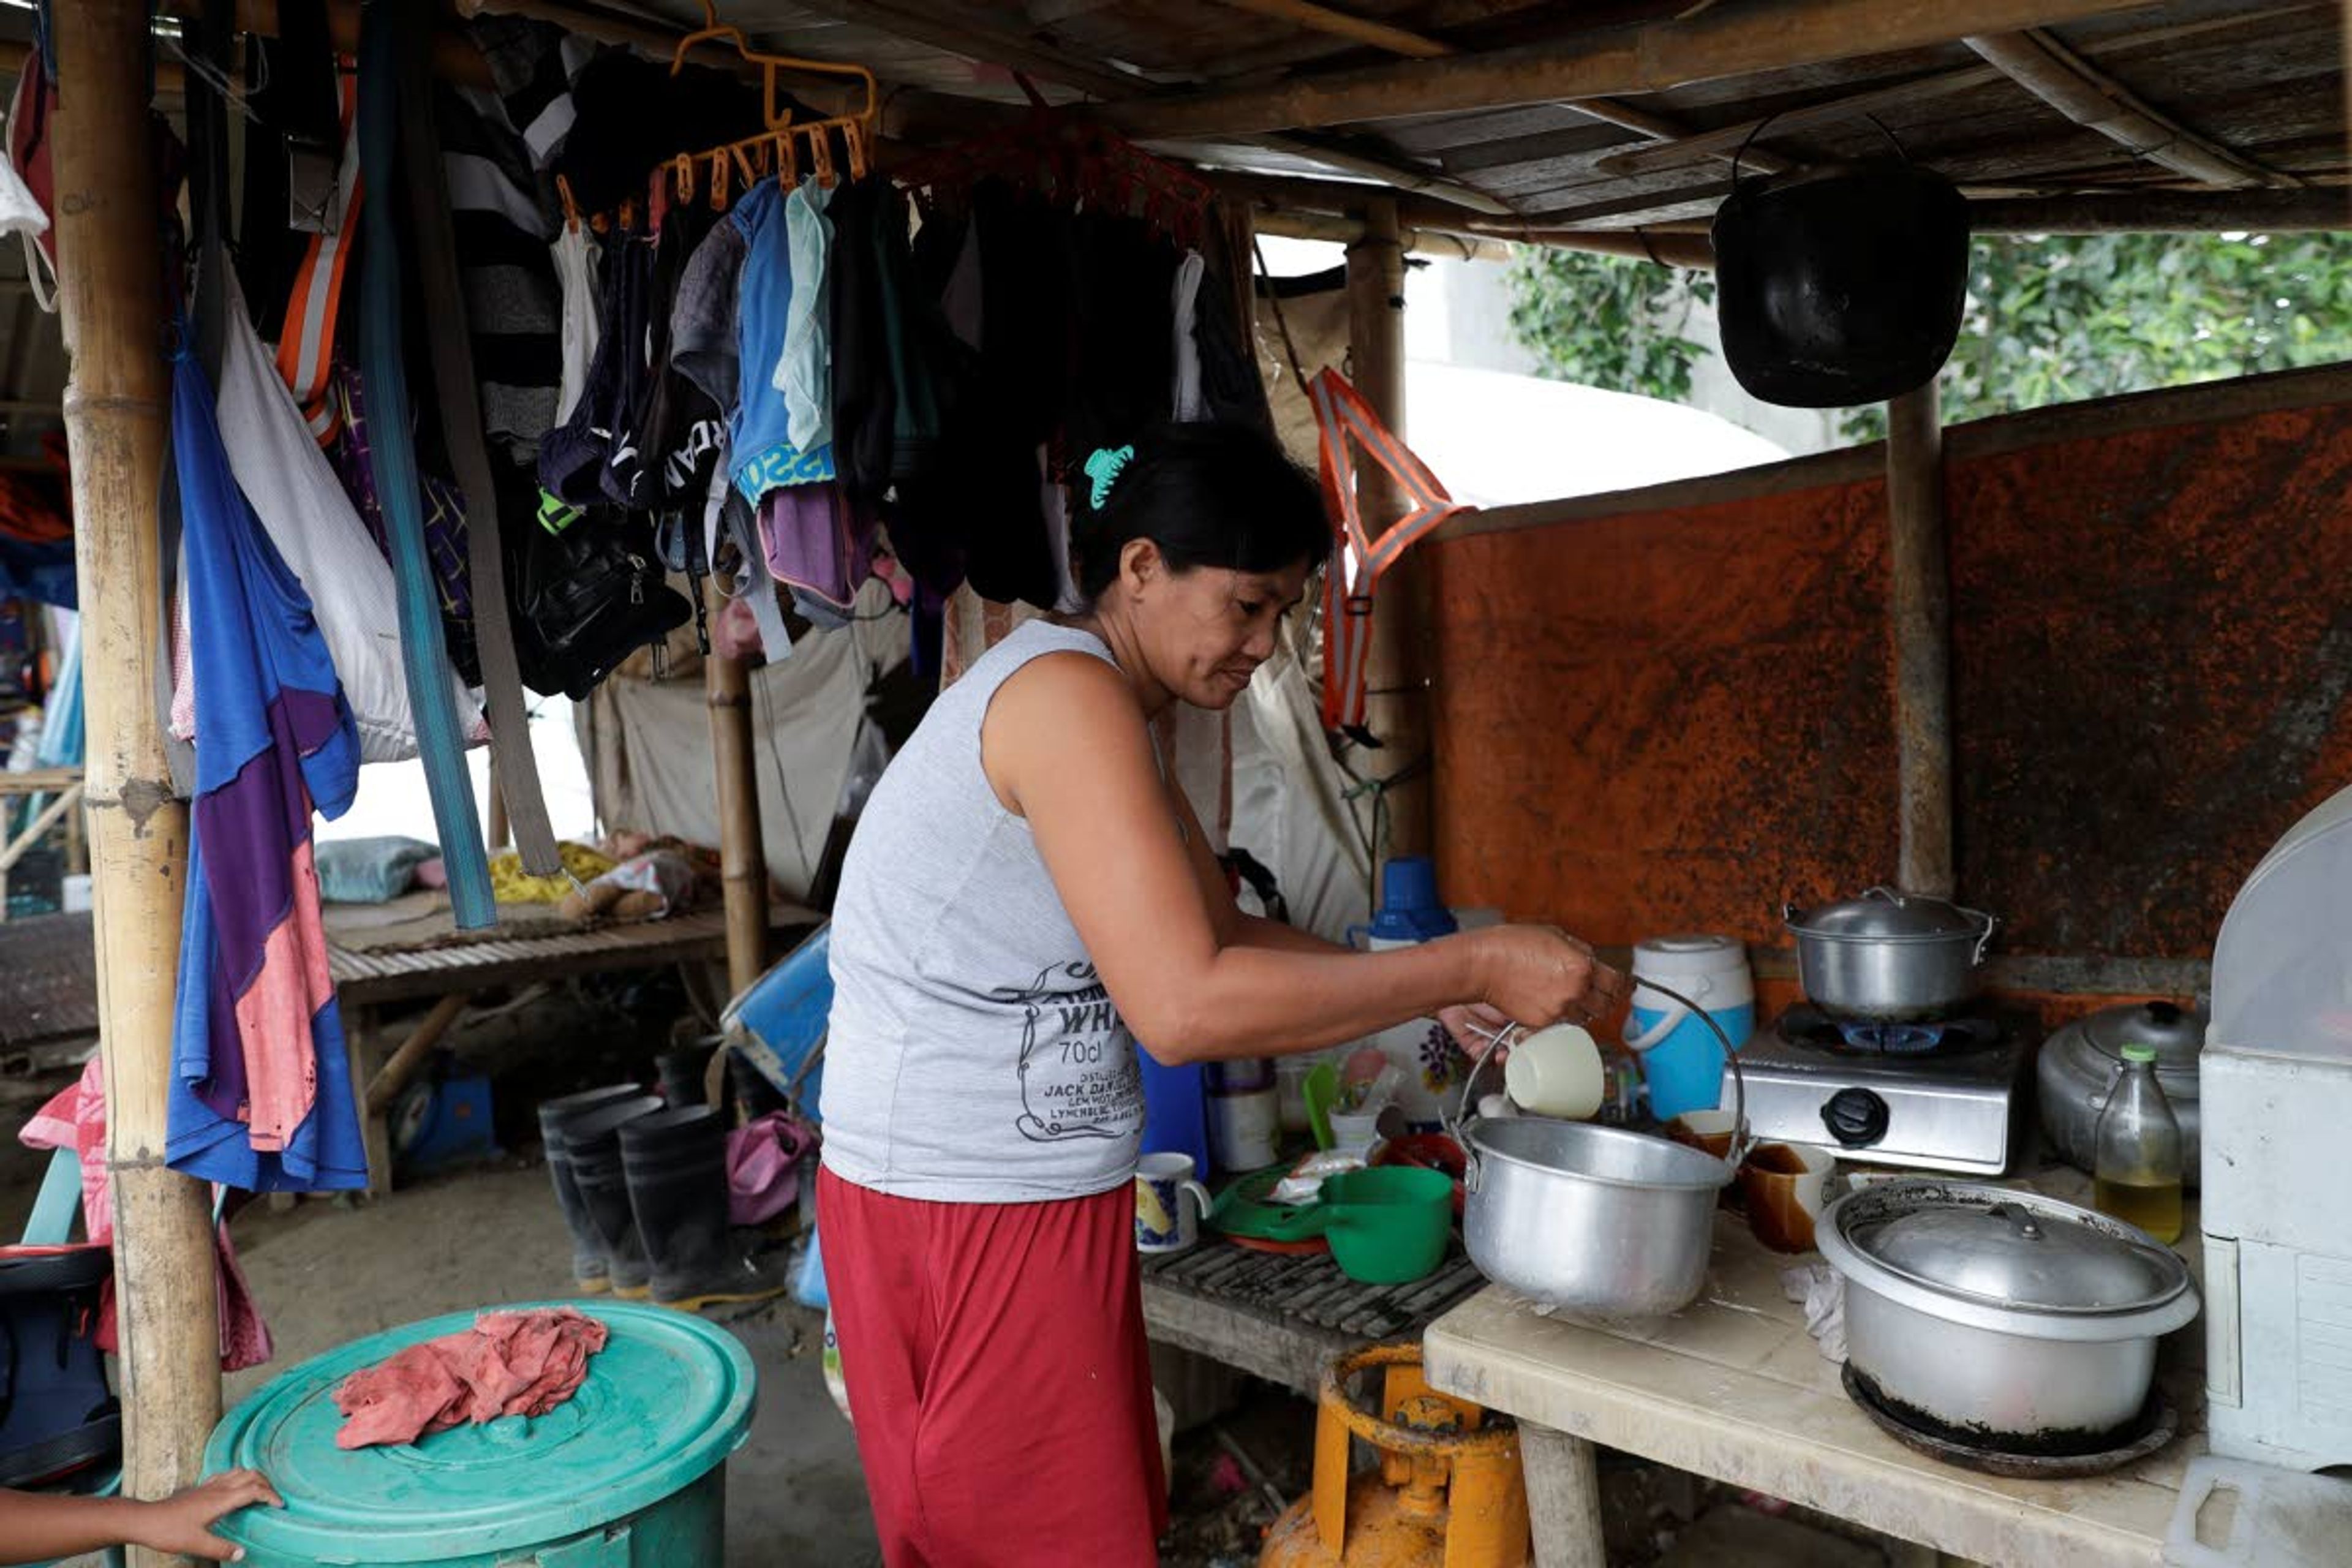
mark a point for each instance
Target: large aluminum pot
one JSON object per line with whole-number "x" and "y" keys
{"x": 2000, "y": 1315}
{"x": 2079, "y": 1065}
{"x": 1889, "y": 957}
{"x": 1591, "y": 1218}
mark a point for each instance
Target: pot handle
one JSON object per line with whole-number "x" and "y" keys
{"x": 1984, "y": 938}
{"x": 1743, "y": 1137}
{"x": 1458, "y": 1125}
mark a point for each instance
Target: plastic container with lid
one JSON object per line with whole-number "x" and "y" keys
{"x": 1424, "y": 1054}
{"x": 1681, "y": 1059}
{"x": 628, "y": 1473}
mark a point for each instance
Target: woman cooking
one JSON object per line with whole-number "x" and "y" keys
{"x": 1026, "y": 886}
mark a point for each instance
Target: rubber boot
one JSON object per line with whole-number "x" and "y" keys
{"x": 677, "y": 1162}
{"x": 682, "y": 1073}
{"x": 594, "y": 1141}
{"x": 588, "y": 1270}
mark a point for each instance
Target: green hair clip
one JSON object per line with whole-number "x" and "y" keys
{"x": 1104, "y": 467}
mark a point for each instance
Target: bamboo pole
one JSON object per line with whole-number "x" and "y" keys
{"x": 1920, "y": 610}
{"x": 742, "y": 857}
{"x": 110, "y": 255}
{"x": 393, "y": 1076}
{"x": 2037, "y": 62}
{"x": 1396, "y": 707}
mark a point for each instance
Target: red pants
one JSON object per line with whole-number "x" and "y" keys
{"x": 998, "y": 1375}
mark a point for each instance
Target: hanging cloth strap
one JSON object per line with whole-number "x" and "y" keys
{"x": 1358, "y": 561}
{"x": 517, "y": 769}
{"x": 305, "y": 341}
{"x": 392, "y": 455}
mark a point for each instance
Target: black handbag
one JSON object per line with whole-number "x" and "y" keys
{"x": 586, "y": 598}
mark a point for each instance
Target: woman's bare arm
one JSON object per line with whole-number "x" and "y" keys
{"x": 1065, "y": 745}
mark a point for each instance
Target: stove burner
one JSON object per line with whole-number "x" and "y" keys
{"x": 1804, "y": 1025}
{"x": 1893, "y": 1039}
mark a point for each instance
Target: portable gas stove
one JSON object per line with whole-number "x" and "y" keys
{"x": 1945, "y": 1095}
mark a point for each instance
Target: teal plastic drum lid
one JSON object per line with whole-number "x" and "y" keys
{"x": 668, "y": 1397}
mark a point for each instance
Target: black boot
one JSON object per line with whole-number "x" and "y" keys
{"x": 588, "y": 1270}
{"x": 594, "y": 1143}
{"x": 677, "y": 1162}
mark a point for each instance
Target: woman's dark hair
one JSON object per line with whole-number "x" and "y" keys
{"x": 1215, "y": 493}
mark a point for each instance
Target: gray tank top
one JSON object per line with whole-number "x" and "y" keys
{"x": 973, "y": 1055}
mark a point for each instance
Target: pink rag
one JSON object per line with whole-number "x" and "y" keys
{"x": 763, "y": 1160}
{"x": 76, "y": 1119}
{"x": 508, "y": 1364}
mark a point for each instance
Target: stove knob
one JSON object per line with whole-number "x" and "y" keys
{"x": 1855, "y": 1117}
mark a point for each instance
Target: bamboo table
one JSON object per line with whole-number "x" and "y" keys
{"x": 1285, "y": 1318}
{"x": 1733, "y": 1388}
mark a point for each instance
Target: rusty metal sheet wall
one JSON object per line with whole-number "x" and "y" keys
{"x": 1666, "y": 721}
{"x": 1672, "y": 720}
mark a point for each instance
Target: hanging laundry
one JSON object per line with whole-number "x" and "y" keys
{"x": 383, "y": 342}
{"x": 764, "y": 454}
{"x": 817, "y": 540}
{"x": 260, "y": 1095}
{"x": 513, "y": 298}
{"x": 595, "y": 457}
{"x": 441, "y": 191}
{"x": 291, "y": 89}
{"x": 803, "y": 372}
{"x": 1186, "y": 399}
{"x": 74, "y": 1118}
{"x": 443, "y": 513}
{"x": 533, "y": 66}
{"x": 575, "y": 277}
{"x": 864, "y": 378}
{"x": 317, "y": 532}
{"x": 508, "y": 1364}
{"x": 311, "y": 328}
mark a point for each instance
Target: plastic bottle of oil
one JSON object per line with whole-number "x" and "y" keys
{"x": 2136, "y": 1177}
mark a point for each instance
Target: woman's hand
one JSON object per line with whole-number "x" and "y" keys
{"x": 183, "y": 1522}
{"x": 1536, "y": 975}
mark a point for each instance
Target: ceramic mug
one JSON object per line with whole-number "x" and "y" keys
{"x": 1709, "y": 1131}
{"x": 1164, "y": 1222}
{"x": 1786, "y": 1186}
{"x": 1556, "y": 1072}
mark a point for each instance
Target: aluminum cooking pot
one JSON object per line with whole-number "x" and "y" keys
{"x": 1594, "y": 1219}
{"x": 2079, "y": 1065}
{"x": 1840, "y": 285}
{"x": 2000, "y": 1314}
{"x": 1889, "y": 957}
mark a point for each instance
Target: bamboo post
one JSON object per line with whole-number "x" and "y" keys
{"x": 742, "y": 857}
{"x": 110, "y": 255}
{"x": 1920, "y": 610}
{"x": 1396, "y": 704}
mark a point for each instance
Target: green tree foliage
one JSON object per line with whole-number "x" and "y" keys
{"x": 1608, "y": 322}
{"x": 2050, "y": 320}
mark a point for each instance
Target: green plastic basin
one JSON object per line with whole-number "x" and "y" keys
{"x": 628, "y": 1473}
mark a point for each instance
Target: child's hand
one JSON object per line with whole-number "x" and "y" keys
{"x": 183, "y": 1522}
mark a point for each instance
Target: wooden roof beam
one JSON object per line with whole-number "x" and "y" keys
{"x": 1417, "y": 46}
{"x": 1717, "y": 143}
{"x": 948, "y": 27}
{"x": 1650, "y": 56}
{"x": 2047, "y": 68}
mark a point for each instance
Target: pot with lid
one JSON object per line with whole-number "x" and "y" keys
{"x": 2004, "y": 1317}
{"x": 2080, "y": 1062}
{"x": 1889, "y": 957}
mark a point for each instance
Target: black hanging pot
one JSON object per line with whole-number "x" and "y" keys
{"x": 1842, "y": 284}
